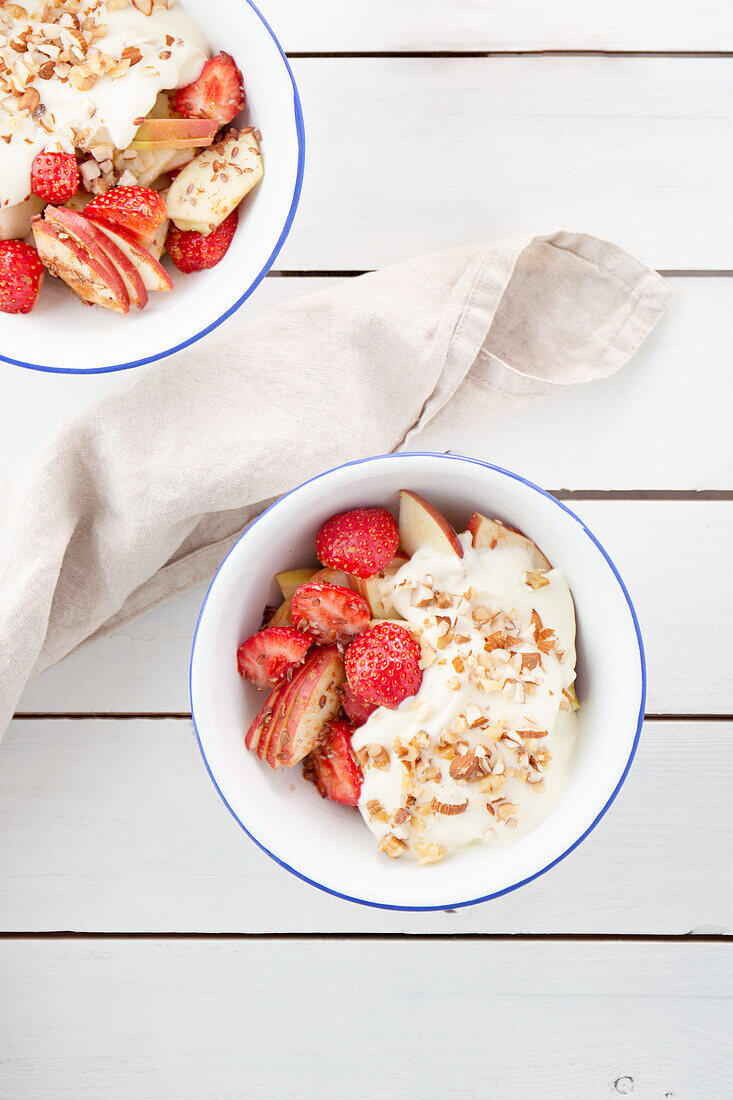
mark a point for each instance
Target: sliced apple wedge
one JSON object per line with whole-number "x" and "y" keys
{"x": 88, "y": 234}
{"x": 175, "y": 133}
{"x": 312, "y": 702}
{"x": 488, "y": 533}
{"x": 154, "y": 276}
{"x": 89, "y": 274}
{"x": 422, "y": 525}
{"x": 211, "y": 186}
{"x": 376, "y": 590}
{"x": 263, "y": 719}
{"x": 292, "y": 579}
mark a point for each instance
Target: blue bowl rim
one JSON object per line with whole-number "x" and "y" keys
{"x": 300, "y": 129}
{"x": 639, "y": 724}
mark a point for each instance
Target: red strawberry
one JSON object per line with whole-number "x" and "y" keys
{"x": 357, "y": 709}
{"x": 361, "y": 542}
{"x": 333, "y": 767}
{"x": 383, "y": 665}
{"x": 139, "y": 210}
{"x": 54, "y": 177}
{"x": 329, "y": 612}
{"x": 21, "y": 277}
{"x": 270, "y": 654}
{"x": 191, "y": 251}
{"x": 218, "y": 92}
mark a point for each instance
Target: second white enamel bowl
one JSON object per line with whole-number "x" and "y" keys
{"x": 63, "y": 335}
{"x": 329, "y": 845}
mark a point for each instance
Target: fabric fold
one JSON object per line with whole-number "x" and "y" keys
{"x": 141, "y": 495}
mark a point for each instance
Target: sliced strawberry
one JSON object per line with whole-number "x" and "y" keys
{"x": 54, "y": 177}
{"x": 269, "y": 655}
{"x": 192, "y": 251}
{"x": 357, "y": 709}
{"x": 218, "y": 92}
{"x": 333, "y": 767}
{"x": 329, "y": 612}
{"x": 138, "y": 210}
{"x": 21, "y": 277}
{"x": 383, "y": 665}
{"x": 361, "y": 542}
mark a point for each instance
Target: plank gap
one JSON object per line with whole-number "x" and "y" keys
{"x": 498, "y": 937}
{"x": 305, "y": 55}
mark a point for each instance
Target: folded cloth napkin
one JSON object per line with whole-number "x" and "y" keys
{"x": 141, "y": 495}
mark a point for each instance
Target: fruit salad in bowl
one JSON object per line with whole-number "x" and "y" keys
{"x": 394, "y": 714}
{"x": 132, "y": 156}
{"x": 425, "y": 677}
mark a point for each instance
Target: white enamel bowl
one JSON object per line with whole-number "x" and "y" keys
{"x": 329, "y": 845}
{"x": 63, "y": 335}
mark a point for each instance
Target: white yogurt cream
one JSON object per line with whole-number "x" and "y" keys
{"x": 76, "y": 108}
{"x": 481, "y": 753}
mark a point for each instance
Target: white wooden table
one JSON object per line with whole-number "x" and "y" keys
{"x": 149, "y": 949}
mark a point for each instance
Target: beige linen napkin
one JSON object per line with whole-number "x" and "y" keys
{"x": 141, "y": 495}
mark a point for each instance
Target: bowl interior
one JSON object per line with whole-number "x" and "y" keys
{"x": 330, "y": 845}
{"x": 63, "y": 334}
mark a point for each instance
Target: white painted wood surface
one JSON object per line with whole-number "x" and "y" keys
{"x": 408, "y": 155}
{"x": 234, "y": 1019}
{"x": 113, "y": 825}
{"x": 660, "y": 548}
{"x": 473, "y": 25}
{"x": 661, "y": 423}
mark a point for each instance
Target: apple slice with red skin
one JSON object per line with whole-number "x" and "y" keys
{"x": 89, "y": 235}
{"x": 488, "y": 533}
{"x": 154, "y": 276}
{"x": 373, "y": 589}
{"x": 422, "y": 525}
{"x": 90, "y": 275}
{"x": 312, "y": 702}
{"x": 262, "y": 721}
{"x": 175, "y": 133}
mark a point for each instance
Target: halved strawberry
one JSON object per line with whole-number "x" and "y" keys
{"x": 218, "y": 92}
{"x": 192, "y": 251}
{"x": 54, "y": 177}
{"x": 21, "y": 277}
{"x": 329, "y": 612}
{"x": 357, "y": 709}
{"x": 361, "y": 542}
{"x": 333, "y": 767}
{"x": 138, "y": 210}
{"x": 269, "y": 655}
{"x": 383, "y": 665}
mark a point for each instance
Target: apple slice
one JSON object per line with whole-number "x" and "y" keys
{"x": 89, "y": 274}
{"x": 175, "y": 133}
{"x": 154, "y": 276}
{"x": 202, "y": 196}
{"x": 312, "y": 702}
{"x": 262, "y": 722}
{"x": 376, "y": 590}
{"x": 292, "y": 579}
{"x": 89, "y": 235}
{"x": 422, "y": 525}
{"x": 488, "y": 533}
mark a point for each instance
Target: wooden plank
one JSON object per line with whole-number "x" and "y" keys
{"x": 476, "y": 25}
{"x": 419, "y": 154}
{"x": 658, "y": 546}
{"x": 112, "y": 826}
{"x": 231, "y": 1019}
{"x": 624, "y": 432}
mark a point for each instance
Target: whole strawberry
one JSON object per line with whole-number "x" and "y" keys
{"x": 138, "y": 210}
{"x": 54, "y": 177}
{"x": 21, "y": 277}
{"x": 383, "y": 665}
{"x": 360, "y": 542}
{"x": 192, "y": 251}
